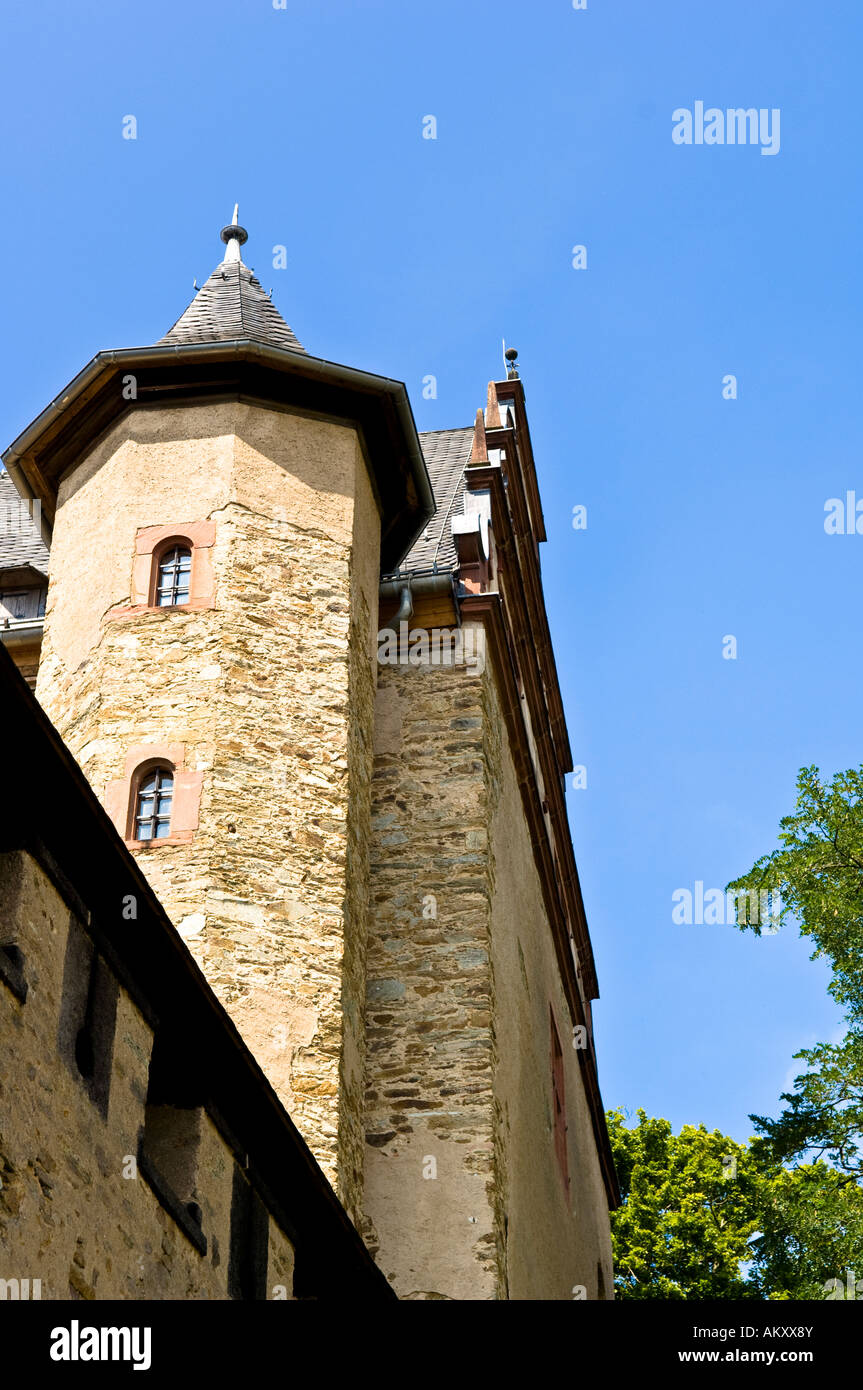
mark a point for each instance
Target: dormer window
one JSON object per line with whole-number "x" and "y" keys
{"x": 153, "y": 802}
{"x": 22, "y": 604}
{"x": 173, "y": 576}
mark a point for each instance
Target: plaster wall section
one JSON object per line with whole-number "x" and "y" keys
{"x": 558, "y": 1241}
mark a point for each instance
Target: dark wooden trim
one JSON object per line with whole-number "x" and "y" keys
{"x": 197, "y": 373}
{"x": 524, "y": 644}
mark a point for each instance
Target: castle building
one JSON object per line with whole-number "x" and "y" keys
{"x": 301, "y": 655}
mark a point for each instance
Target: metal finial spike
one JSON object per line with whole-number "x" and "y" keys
{"x": 234, "y": 236}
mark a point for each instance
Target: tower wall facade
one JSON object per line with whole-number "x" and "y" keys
{"x": 467, "y": 1192}
{"x": 261, "y": 694}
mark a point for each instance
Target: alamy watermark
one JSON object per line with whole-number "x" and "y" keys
{"x": 851, "y": 1290}
{"x": 844, "y": 515}
{"x": 715, "y": 907}
{"x": 733, "y": 126}
{"x": 20, "y": 1289}
{"x": 438, "y": 646}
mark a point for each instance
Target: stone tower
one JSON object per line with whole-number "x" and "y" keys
{"x": 276, "y": 484}
{"x": 303, "y": 657}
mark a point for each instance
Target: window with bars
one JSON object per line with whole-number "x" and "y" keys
{"x": 153, "y": 800}
{"x": 173, "y": 576}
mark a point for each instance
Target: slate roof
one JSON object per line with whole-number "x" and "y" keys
{"x": 20, "y": 540}
{"x": 446, "y": 453}
{"x": 232, "y": 304}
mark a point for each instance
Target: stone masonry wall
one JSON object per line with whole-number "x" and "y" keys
{"x": 430, "y": 1102}
{"x": 464, "y": 1197}
{"x": 68, "y": 1215}
{"x": 270, "y": 693}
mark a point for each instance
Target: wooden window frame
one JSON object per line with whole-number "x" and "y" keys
{"x": 153, "y": 768}
{"x": 175, "y": 543}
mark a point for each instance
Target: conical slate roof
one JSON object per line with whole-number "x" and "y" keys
{"x": 232, "y": 304}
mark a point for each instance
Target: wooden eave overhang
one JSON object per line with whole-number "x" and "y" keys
{"x": 512, "y": 390}
{"x": 520, "y": 637}
{"x": 528, "y": 557}
{"x": 241, "y": 369}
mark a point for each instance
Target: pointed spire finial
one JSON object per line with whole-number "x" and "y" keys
{"x": 492, "y": 410}
{"x": 479, "y": 450}
{"x": 234, "y": 236}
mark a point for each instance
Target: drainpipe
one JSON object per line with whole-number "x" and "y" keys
{"x": 405, "y": 609}
{"x": 406, "y": 587}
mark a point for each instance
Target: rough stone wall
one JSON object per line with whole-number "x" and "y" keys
{"x": 68, "y": 1215}
{"x": 458, "y": 1017}
{"x": 271, "y": 694}
{"x": 430, "y": 1103}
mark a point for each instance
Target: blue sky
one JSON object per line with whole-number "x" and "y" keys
{"x": 413, "y": 257}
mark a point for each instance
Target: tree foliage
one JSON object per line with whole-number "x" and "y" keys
{"x": 686, "y": 1219}
{"x": 694, "y": 1227}
{"x": 818, "y": 870}
{"x": 685, "y": 1229}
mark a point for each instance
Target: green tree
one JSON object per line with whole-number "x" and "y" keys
{"x": 775, "y": 1231}
{"x": 705, "y": 1217}
{"x": 810, "y": 1232}
{"x": 818, "y": 870}
{"x": 690, "y": 1206}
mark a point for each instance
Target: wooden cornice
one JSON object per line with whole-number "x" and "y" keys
{"x": 506, "y": 440}
{"x": 513, "y": 390}
{"x": 523, "y": 643}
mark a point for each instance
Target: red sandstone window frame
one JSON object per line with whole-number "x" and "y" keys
{"x": 558, "y": 1101}
{"x": 151, "y": 543}
{"x": 144, "y": 771}
{"x": 121, "y": 794}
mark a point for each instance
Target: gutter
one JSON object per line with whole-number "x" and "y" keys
{"x": 20, "y": 633}
{"x": 394, "y": 586}
{"x": 403, "y": 587}
{"x": 318, "y": 368}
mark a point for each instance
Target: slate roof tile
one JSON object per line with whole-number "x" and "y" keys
{"x": 232, "y": 304}
{"x": 20, "y": 539}
{"x": 446, "y": 453}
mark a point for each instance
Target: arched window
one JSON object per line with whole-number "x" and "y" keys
{"x": 173, "y": 575}
{"x": 154, "y": 796}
